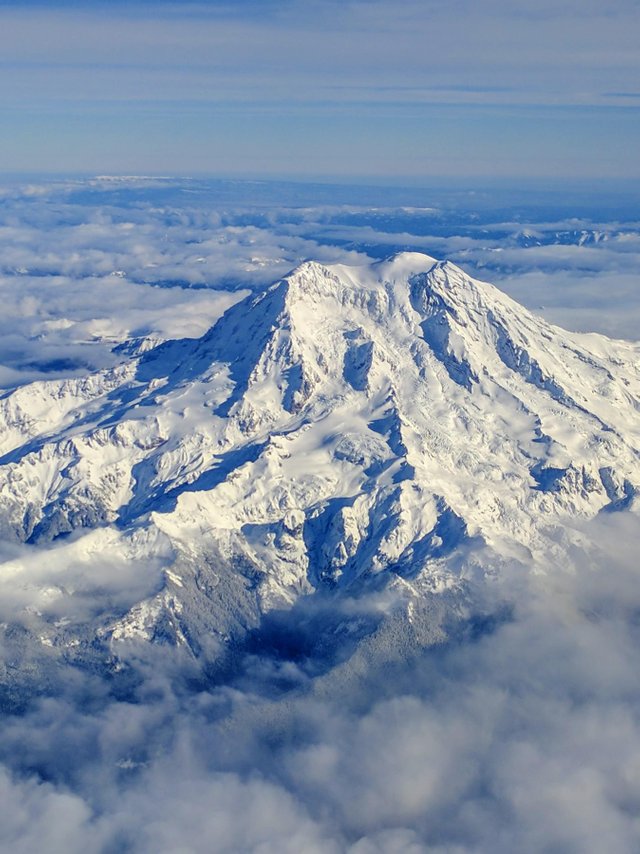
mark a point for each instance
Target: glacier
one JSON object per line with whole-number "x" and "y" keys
{"x": 376, "y": 430}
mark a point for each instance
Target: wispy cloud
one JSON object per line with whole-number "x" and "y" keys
{"x": 285, "y": 60}
{"x": 546, "y": 56}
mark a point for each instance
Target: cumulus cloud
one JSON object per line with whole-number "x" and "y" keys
{"x": 85, "y": 265}
{"x": 77, "y": 579}
{"x": 79, "y": 274}
{"x": 515, "y": 727}
{"x": 520, "y": 731}
{"x": 34, "y": 814}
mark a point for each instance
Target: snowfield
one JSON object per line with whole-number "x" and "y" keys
{"x": 346, "y": 430}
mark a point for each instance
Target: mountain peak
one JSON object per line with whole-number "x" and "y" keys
{"x": 404, "y": 264}
{"x": 406, "y": 278}
{"x": 346, "y": 426}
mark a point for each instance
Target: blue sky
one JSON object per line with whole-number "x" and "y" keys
{"x": 414, "y": 89}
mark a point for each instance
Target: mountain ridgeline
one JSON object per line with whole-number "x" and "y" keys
{"x": 349, "y": 429}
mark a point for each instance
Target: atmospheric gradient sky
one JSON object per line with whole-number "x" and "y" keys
{"x": 416, "y": 88}
{"x": 520, "y": 731}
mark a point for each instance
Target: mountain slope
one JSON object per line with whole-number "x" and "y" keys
{"x": 347, "y": 429}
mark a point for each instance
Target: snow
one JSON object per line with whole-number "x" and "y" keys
{"x": 347, "y": 427}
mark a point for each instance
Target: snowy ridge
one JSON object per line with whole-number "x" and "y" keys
{"x": 349, "y": 427}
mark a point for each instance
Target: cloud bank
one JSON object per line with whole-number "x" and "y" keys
{"x": 86, "y": 265}
{"x": 507, "y": 720}
{"x": 520, "y": 731}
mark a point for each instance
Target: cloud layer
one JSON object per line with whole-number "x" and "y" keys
{"x": 312, "y": 53}
{"x": 86, "y": 265}
{"x": 290, "y": 87}
{"x": 520, "y": 732}
{"x": 508, "y": 722}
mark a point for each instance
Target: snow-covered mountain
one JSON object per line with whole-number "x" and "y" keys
{"x": 349, "y": 428}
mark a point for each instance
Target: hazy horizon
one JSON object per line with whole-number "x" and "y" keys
{"x": 322, "y": 88}
{"x": 319, "y": 426}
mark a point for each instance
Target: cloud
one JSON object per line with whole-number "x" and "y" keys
{"x": 521, "y": 733}
{"x": 321, "y": 88}
{"x": 85, "y": 265}
{"x": 34, "y": 814}
{"x": 515, "y": 727}
{"x": 77, "y": 580}
{"x": 79, "y": 279}
{"x": 558, "y": 55}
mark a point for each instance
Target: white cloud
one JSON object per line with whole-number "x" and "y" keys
{"x": 520, "y": 733}
{"x": 77, "y": 278}
{"x": 84, "y": 265}
{"x": 35, "y": 816}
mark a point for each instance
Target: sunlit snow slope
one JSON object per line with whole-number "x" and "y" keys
{"x": 349, "y": 428}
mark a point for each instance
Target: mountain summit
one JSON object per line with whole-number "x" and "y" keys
{"x": 349, "y": 427}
